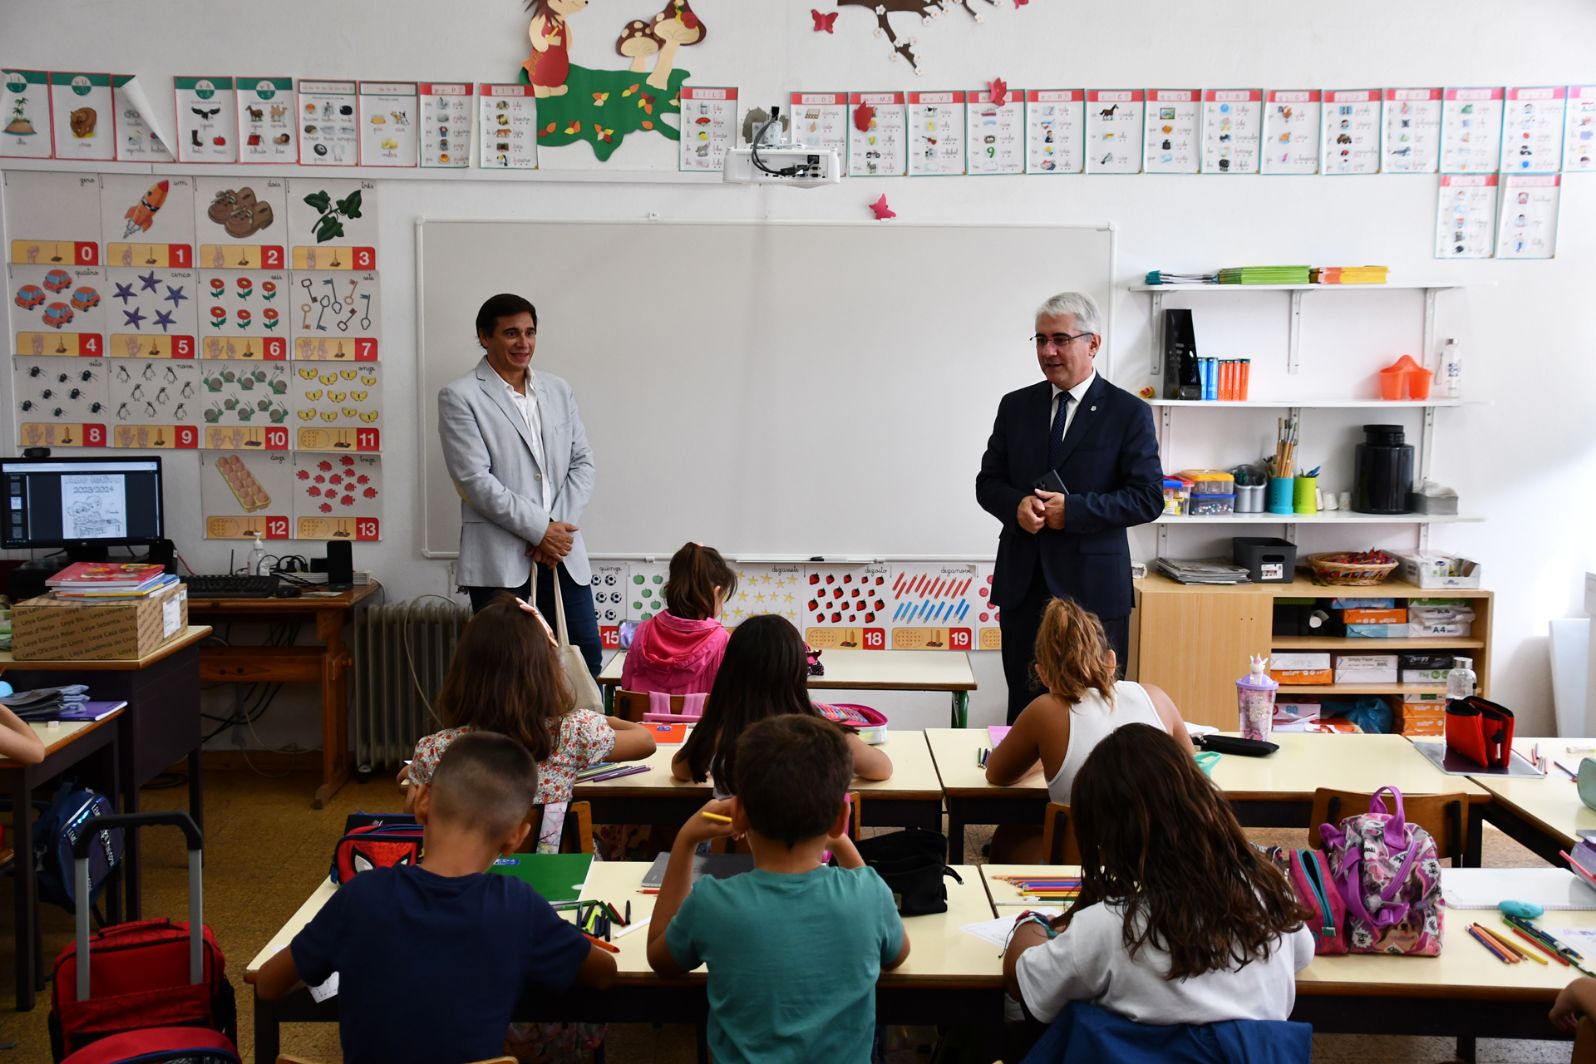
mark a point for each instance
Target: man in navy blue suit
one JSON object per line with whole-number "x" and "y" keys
{"x": 1099, "y": 439}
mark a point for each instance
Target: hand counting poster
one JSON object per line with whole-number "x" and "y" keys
{"x": 241, "y": 223}
{"x": 1055, "y": 131}
{"x": 337, "y": 496}
{"x": 335, "y": 316}
{"x": 1172, "y": 119}
{"x": 1411, "y": 143}
{"x": 337, "y": 408}
{"x": 57, "y": 310}
{"x": 844, "y": 607}
{"x": 1350, "y": 119}
{"x": 244, "y": 315}
{"x": 332, "y": 224}
{"x": 147, "y": 221}
{"x": 1114, "y": 131}
{"x": 245, "y": 405}
{"x": 1232, "y": 130}
{"x": 1291, "y": 131}
{"x": 150, "y": 312}
{"x": 61, "y": 402}
{"x": 246, "y": 494}
{"x": 154, "y": 404}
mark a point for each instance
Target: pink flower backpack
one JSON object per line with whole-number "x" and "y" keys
{"x": 1389, "y": 875}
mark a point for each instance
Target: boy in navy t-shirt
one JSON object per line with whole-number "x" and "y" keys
{"x": 432, "y": 958}
{"x": 794, "y": 947}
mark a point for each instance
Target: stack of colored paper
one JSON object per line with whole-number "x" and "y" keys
{"x": 109, "y": 580}
{"x": 1264, "y": 275}
{"x": 1350, "y": 274}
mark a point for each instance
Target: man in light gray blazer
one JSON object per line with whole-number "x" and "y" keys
{"x": 516, "y": 450}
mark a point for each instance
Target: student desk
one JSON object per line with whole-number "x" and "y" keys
{"x": 161, "y": 725}
{"x": 1544, "y": 814}
{"x": 1273, "y": 791}
{"x": 1464, "y": 992}
{"x": 66, "y": 746}
{"x": 911, "y": 798}
{"x": 949, "y": 978}
{"x": 327, "y": 665}
{"x": 867, "y": 670}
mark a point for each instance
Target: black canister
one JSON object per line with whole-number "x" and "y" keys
{"x": 1382, "y": 471}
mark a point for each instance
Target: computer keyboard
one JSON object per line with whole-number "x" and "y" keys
{"x": 231, "y": 585}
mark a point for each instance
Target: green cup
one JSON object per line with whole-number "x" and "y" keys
{"x": 1304, "y": 494}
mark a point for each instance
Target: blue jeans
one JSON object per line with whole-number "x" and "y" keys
{"x": 580, "y": 620}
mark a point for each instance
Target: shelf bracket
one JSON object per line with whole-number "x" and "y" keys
{"x": 1431, "y": 355}
{"x": 1424, "y": 539}
{"x": 1426, "y": 438}
{"x": 1294, "y": 333}
{"x": 1288, "y": 532}
{"x": 1157, "y": 334}
{"x": 1163, "y": 539}
{"x": 1166, "y": 427}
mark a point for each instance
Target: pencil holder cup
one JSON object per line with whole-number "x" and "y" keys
{"x": 1304, "y": 495}
{"x": 1249, "y": 498}
{"x": 1279, "y": 495}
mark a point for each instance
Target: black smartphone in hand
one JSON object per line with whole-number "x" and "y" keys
{"x": 1051, "y": 481}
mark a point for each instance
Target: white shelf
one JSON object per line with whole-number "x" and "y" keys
{"x": 1297, "y": 287}
{"x": 1324, "y": 517}
{"x": 1317, "y": 404}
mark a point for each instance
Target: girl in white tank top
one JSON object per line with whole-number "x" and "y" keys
{"x": 1092, "y": 718}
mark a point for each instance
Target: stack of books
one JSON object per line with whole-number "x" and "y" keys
{"x": 1170, "y": 277}
{"x": 1350, "y": 274}
{"x": 1264, "y": 275}
{"x": 109, "y": 580}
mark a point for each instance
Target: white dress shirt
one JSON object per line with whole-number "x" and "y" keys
{"x": 1077, "y": 394}
{"x": 527, "y": 403}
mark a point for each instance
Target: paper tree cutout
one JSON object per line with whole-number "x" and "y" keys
{"x": 863, "y": 115}
{"x": 883, "y": 212}
{"x": 1000, "y": 91}
{"x": 926, "y": 9}
{"x": 823, "y": 23}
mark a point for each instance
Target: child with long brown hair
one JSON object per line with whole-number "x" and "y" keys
{"x": 678, "y": 650}
{"x": 1180, "y": 920}
{"x": 1081, "y": 704}
{"x": 505, "y": 677}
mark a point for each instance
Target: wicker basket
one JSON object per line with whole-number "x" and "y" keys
{"x": 1338, "y": 570}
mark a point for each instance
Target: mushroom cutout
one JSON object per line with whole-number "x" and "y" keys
{"x": 678, "y": 27}
{"x": 637, "y": 43}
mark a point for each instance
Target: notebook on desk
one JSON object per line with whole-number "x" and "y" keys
{"x": 714, "y": 865}
{"x": 1553, "y": 889}
{"x": 556, "y": 876}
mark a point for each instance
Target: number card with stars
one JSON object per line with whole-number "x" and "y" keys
{"x": 245, "y": 494}
{"x": 775, "y": 589}
{"x": 337, "y": 497}
{"x": 150, "y": 312}
{"x": 61, "y": 402}
{"x": 244, "y": 315}
{"x": 155, "y": 404}
{"x": 147, "y": 222}
{"x": 336, "y": 316}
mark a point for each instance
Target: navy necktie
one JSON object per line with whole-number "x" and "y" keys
{"x": 1055, "y": 439}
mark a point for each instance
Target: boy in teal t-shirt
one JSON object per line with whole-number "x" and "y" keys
{"x": 794, "y": 947}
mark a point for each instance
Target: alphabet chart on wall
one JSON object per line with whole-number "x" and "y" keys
{"x": 1172, "y": 145}
{"x": 1527, "y": 219}
{"x": 1291, "y": 131}
{"x": 1351, "y": 124}
{"x": 1055, "y": 131}
{"x": 1465, "y": 216}
{"x": 820, "y": 120}
{"x": 1114, "y": 131}
{"x": 878, "y": 126}
{"x": 1532, "y": 130}
{"x": 1232, "y": 130}
{"x": 446, "y": 123}
{"x": 1471, "y": 130}
{"x": 1412, "y": 137}
{"x": 709, "y": 126}
{"x": 936, "y": 134}
{"x": 995, "y": 132}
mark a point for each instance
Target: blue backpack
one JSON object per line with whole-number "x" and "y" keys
{"x": 59, "y": 824}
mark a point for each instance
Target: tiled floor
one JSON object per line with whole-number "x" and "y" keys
{"x": 266, "y": 849}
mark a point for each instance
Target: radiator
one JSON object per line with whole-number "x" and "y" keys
{"x": 401, "y": 656}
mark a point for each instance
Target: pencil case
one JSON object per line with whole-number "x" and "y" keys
{"x": 1480, "y": 730}
{"x": 869, "y": 724}
{"x": 1231, "y": 744}
{"x": 1309, "y": 872}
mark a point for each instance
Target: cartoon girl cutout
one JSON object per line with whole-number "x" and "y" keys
{"x": 550, "y": 35}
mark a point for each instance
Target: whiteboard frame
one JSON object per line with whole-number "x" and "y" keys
{"x": 422, "y": 398}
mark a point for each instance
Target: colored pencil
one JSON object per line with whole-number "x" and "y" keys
{"x": 716, "y": 817}
{"x": 1538, "y": 944}
{"x": 1511, "y": 950}
{"x": 1495, "y": 951}
{"x": 648, "y": 890}
{"x": 1514, "y": 946}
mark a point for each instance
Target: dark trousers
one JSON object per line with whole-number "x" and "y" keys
{"x": 1019, "y": 623}
{"x": 580, "y": 620}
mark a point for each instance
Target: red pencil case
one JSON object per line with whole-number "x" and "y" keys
{"x": 1480, "y": 730}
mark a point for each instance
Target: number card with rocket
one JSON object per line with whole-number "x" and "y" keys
{"x": 1465, "y": 216}
{"x": 155, "y": 404}
{"x": 878, "y": 127}
{"x": 389, "y": 114}
{"x": 335, "y": 317}
{"x": 244, "y": 314}
{"x": 327, "y": 128}
{"x": 1291, "y": 131}
{"x": 1173, "y": 117}
{"x": 61, "y": 402}
{"x": 147, "y": 222}
{"x": 1412, "y": 140}
{"x": 1579, "y": 145}
{"x": 246, "y": 494}
{"x": 709, "y": 126}
{"x": 337, "y": 497}
{"x": 845, "y": 607}
{"x": 1351, "y": 123}
{"x": 1471, "y": 130}
{"x": 934, "y": 607}
{"x": 82, "y": 116}
{"x": 1055, "y": 131}
{"x": 245, "y": 405}
{"x": 52, "y": 219}
{"x": 267, "y": 118}
{"x": 1532, "y": 130}
{"x": 150, "y": 312}
{"x": 242, "y": 224}
{"x": 207, "y": 120}
{"x": 1114, "y": 131}
{"x": 57, "y": 310}
{"x": 446, "y": 123}
{"x": 1232, "y": 130}
{"x": 936, "y": 134}
{"x": 25, "y": 114}
{"x": 820, "y": 120}
{"x": 332, "y": 225}
{"x": 337, "y": 408}
{"x": 1527, "y": 221}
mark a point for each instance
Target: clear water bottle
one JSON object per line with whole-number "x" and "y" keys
{"x": 1460, "y": 681}
{"x": 257, "y": 554}
{"x": 1449, "y": 381}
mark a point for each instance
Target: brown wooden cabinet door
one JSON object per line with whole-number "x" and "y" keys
{"x": 1195, "y": 645}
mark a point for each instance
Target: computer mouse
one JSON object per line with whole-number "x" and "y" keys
{"x": 287, "y": 592}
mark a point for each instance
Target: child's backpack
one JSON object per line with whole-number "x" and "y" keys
{"x": 58, "y": 827}
{"x": 375, "y": 840}
{"x": 1389, "y": 876}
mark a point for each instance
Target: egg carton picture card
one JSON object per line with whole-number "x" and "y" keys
{"x": 336, "y": 316}
{"x": 241, "y": 224}
{"x": 246, "y": 494}
{"x": 337, "y": 496}
{"x": 150, "y": 312}
{"x": 243, "y": 315}
{"x": 61, "y": 402}
{"x": 154, "y": 404}
{"x": 147, "y": 221}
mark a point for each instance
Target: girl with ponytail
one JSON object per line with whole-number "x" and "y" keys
{"x": 678, "y": 650}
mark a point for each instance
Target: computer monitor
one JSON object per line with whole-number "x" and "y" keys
{"x": 82, "y": 504}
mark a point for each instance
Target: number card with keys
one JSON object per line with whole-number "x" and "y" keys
{"x": 336, "y": 316}
{"x": 245, "y": 494}
{"x": 337, "y": 408}
{"x": 337, "y": 497}
{"x": 244, "y": 314}
{"x": 61, "y": 402}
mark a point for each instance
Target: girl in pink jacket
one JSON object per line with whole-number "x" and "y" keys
{"x": 678, "y": 650}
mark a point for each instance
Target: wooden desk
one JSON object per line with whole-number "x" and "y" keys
{"x": 66, "y": 746}
{"x": 327, "y": 665}
{"x": 160, "y": 727}
{"x": 949, "y": 978}
{"x": 1543, "y": 814}
{"x": 911, "y": 798}
{"x": 1273, "y": 791}
{"x": 868, "y": 670}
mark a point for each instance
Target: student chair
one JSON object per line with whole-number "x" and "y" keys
{"x": 636, "y": 706}
{"x": 1058, "y": 836}
{"x": 1442, "y": 815}
{"x": 1087, "y": 1034}
{"x": 576, "y": 835}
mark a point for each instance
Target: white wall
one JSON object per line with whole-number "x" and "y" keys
{"x": 1526, "y": 461}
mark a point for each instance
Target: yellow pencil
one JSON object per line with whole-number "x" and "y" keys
{"x": 1514, "y": 946}
{"x": 707, "y": 815}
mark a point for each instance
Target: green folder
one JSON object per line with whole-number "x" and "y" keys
{"x": 557, "y": 876}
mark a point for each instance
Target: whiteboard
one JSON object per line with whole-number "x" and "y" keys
{"x": 774, "y": 389}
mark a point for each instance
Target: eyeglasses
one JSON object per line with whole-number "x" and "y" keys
{"x": 1058, "y": 340}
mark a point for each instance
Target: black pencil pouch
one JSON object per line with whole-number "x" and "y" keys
{"x": 1232, "y": 744}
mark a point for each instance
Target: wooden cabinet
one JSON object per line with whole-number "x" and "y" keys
{"x": 1194, "y": 640}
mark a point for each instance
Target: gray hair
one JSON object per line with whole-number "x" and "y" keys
{"x": 1078, "y": 304}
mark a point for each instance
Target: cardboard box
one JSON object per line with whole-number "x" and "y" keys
{"x": 1300, "y": 668}
{"x": 1424, "y": 715}
{"x": 51, "y": 628}
{"x": 1398, "y": 615}
{"x": 1378, "y": 631}
{"x": 1439, "y": 570}
{"x": 1366, "y": 668}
